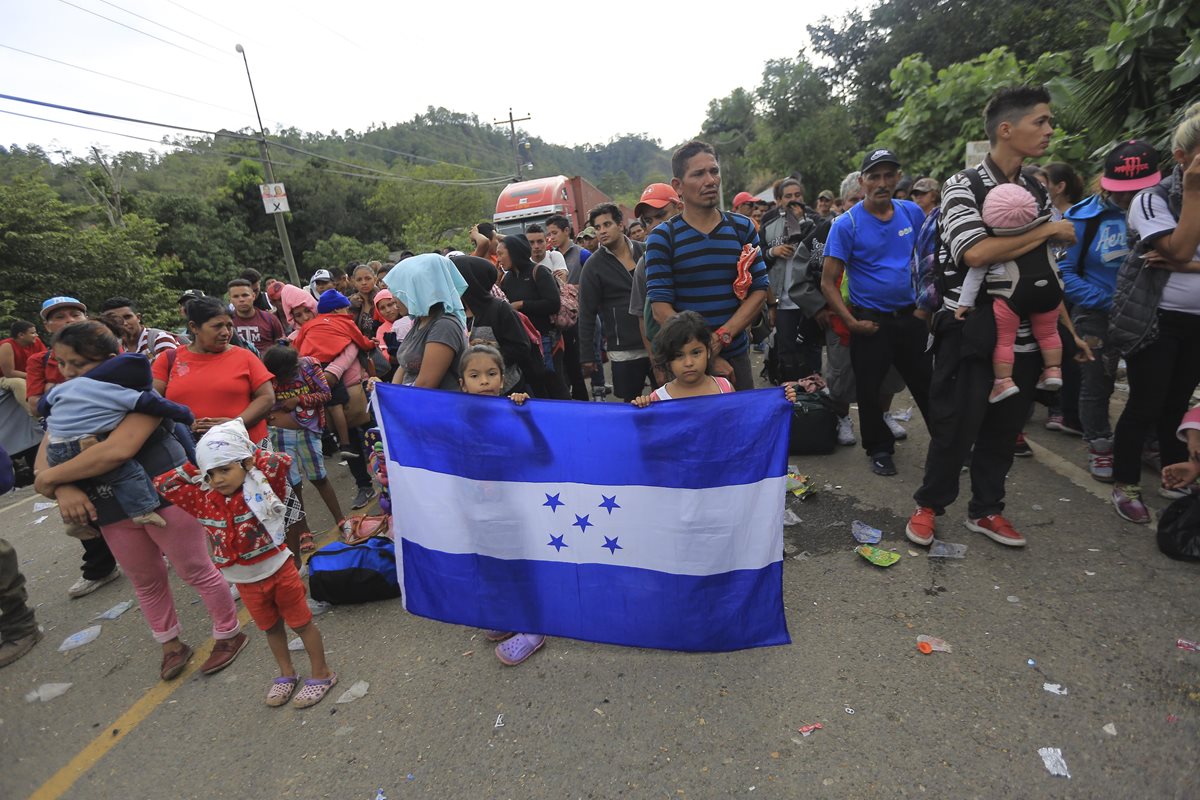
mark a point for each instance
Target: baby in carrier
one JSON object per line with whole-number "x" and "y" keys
{"x": 1028, "y": 287}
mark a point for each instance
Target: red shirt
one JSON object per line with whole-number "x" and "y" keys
{"x": 21, "y": 354}
{"x": 214, "y": 384}
{"x": 41, "y": 373}
{"x": 262, "y": 330}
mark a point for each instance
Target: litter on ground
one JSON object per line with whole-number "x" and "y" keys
{"x": 932, "y": 644}
{"x": 359, "y": 689}
{"x": 940, "y": 549}
{"x": 864, "y": 533}
{"x": 47, "y": 692}
{"x": 79, "y": 639}
{"x": 116, "y": 611}
{"x": 878, "y": 557}
{"x": 1055, "y": 688}
{"x": 1052, "y": 757}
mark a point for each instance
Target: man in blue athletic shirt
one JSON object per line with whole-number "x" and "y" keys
{"x": 873, "y": 244}
{"x": 691, "y": 263}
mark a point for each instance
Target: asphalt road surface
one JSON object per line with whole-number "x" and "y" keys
{"x": 1091, "y": 601}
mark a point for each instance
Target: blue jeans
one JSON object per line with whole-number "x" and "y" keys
{"x": 1096, "y": 385}
{"x": 130, "y": 483}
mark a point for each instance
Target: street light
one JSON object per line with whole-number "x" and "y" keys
{"x": 280, "y": 226}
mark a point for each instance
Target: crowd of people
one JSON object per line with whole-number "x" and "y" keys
{"x": 1000, "y": 286}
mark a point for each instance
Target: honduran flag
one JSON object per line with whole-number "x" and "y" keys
{"x": 659, "y": 527}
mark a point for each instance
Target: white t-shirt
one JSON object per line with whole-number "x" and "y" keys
{"x": 1150, "y": 217}
{"x": 555, "y": 261}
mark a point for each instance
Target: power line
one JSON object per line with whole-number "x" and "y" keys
{"x": 135, "y": 30}
{"x": 244, "y": 137}
{"x": 166, "y": 27}
{"x": 423, "y": 158}
{"x": 116, "y": 78}
{"x": 206, "y": 19}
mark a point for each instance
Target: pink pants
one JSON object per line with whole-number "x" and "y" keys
{"x": 1045, "y": 330}
{"x": 139, "y": 549}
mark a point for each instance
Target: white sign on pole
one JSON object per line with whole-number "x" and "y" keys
{"x": 274, "y": 198}
{"x": 976, "y": 152}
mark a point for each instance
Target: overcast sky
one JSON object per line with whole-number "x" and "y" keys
{"x": 322, "y": 66}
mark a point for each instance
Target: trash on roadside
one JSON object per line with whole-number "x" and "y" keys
{"x": 499, "y": 721}
{"x": 40, "y": 519}
{"x": 790, "y": 518}
{"x": 380, "y": 795}
{"x": 806, "y": 730}
{"x": 116, "y": 611}
{"x": 1037, "y": 507}
{"x": 359, "y": 689}
{"x": 1031, "y": 662}
{"x": 1012, "y": 598}
{"x": 43, "y": 506}
{"x": 864, "y": 533}
{"x": 940, "y": 549}
{"x": 803, "y": 555}
{"x": 79, "y": 639}
{"x": 1064, "y": 499}
{"x": 296, "y": 644}
{"x": 878, "y": 557}
{"x": 1089, "y": 573}
{"x": 913, "y": 553}
{"x": 849, "y": 710}
{"x": 318, "y": 607}
{"x": 1188, "y": 644}
{"x": 1110, "y": 729}
{"x": 799, "y": 485}
{"x": 1055, "y": 688}
{"x": 932, "y": 644}
{"x": 1052, "y": 757}
{"x": 47, "y": 692}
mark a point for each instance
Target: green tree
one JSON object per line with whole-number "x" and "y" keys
{"x": 338, "y": 251}
{"x": 398, "y": 204}
{"x": 48, "y": 247}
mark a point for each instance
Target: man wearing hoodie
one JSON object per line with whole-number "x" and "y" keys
{"x": 604, "y": 288}
{"x": 1089, "y": 273}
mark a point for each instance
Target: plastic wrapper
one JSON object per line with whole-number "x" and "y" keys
{"x": 85, "y": 636}
{"x": 864, "y": 533}
{"x": 359, "y": 689}
{"x": 1052, "y": 757}
{"x": 877, "y": 556}
{"x": 47, "y": 692}
{"x": 116, "y": 611}
{"x": 932, "y": 644}
{"x": 940, "y": 549}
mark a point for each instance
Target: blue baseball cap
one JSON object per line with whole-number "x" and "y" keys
{"x": 55, "y": 303}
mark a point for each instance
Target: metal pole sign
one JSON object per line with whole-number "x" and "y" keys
{"x": 274, "y": 198}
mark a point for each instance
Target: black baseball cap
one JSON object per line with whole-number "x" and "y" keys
{"x": 189, "y": 295}
{"x": 880, "y": 155}
{"x": 1130, "y": 167}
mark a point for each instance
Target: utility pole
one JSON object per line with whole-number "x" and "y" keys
{"x": 512, "y": 128}
{"x": 280, "y": 225}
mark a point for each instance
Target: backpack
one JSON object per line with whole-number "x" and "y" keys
{"x": 535, "y": 336}
{"x": 1132, "y": 321}
{"x": 814, "y": 425}
{"x": 568, "y": 309}
{"x": 342, "y": 573}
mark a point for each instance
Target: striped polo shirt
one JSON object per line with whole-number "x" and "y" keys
{"x": 695, "y": 271}
{"x": 962, "y": 227}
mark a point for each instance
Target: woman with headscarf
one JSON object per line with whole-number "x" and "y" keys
{"x": 395, "y": 326}
{"x": 494, "y": 321}
{"x": 298, "y": 307}
{"x": 533, "y": 292}
{"x": 431, "y": 289}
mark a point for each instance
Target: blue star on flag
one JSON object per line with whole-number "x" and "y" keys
{"x": 608, "y": 503}
{"x": 553, "y": 501}
{"x": 557, "y": 542}
{"x": 582, "y": 523}
{"x": 612, "y": 545}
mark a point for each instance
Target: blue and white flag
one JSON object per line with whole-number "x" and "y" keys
{"x": 658, "y": 527}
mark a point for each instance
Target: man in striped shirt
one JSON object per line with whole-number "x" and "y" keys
{"x": 691, "y": 263}
{"x": 136, "y": 337}
{"x": 961, "y": 420}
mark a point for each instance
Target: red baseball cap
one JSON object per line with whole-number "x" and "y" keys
{"x": 1131, "y": 167}
{"x": 656, "y": 195}
{"x": 744, "y": 197}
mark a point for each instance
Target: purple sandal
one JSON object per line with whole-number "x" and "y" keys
{"x": 519, "y": 648}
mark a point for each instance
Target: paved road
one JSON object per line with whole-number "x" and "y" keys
{"x": 1090, "y": 600}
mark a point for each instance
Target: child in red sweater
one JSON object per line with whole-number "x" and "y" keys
{"x": 235, "y": 493}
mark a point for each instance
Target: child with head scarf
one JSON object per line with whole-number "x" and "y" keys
{"x": 235, "y": 491}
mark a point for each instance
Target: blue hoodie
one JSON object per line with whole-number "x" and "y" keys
{"x": 1093, "y": 285}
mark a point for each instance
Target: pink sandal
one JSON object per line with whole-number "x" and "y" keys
{"x": 519, "y": 648}
{"x": 314, "y": 691}
{"x": 281, "y": 690}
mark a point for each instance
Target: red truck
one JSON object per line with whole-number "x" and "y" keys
{"x": 522, "y": 204}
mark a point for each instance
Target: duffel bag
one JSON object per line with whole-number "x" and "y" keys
{"x": 342, "y": 573}
{"x": 814, "y": 425}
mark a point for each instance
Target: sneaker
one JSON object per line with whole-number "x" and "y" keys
{"x": 85, "y": 586}
{"x": 1021, "y": 447}
{"x": 996, "y": 528}
{"x": 1054, "y": 422}
{"x": 1057, "y": 422}
{"x": 1002, "y": 389}
{"x": 348, "y": 451}
{"x": 1051, "y": 379}
{"x": 12, "y": 649}
{"x": 1128, "y": 502}
{"x": 1176, "y": 494}
{"x": 882, "y": 464}
{"x": 365, "y": 495}
{"x": 898, "y": 432}
{"x": 845, "y": 431}
{"x": 1100, "y": 460}
{"x": 920, "y": 526}
{"x": 224, "y": 652}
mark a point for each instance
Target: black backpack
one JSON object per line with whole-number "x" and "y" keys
{"x": 1179, "y": 529}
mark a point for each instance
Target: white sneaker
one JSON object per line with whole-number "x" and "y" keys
{"x": 897, "y": 431}
{"x": 84, "y": 586}
{"x": 845, "y": 431}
